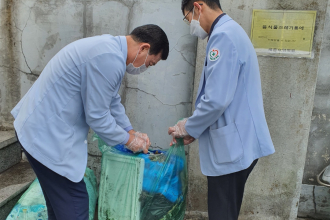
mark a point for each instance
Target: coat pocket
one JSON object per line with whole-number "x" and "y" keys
{"x": 226, "y": 144}
{"x": 55, "y": 140}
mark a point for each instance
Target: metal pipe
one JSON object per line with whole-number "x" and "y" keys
{"x": 319, "y": 181}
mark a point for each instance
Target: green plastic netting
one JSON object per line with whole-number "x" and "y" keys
{"x": 32, "y": 204}
{"x": 149, "y": 186}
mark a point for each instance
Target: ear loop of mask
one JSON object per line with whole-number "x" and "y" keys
{"x": 194, "y": 13}
{"x": 146, "y": 57}
{"x": 137, "y": 56}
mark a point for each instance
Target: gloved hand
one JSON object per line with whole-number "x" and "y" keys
{"x": 143, "y": 136}
{"x": 178, "y": 130}
{"x": 138, "y": 142}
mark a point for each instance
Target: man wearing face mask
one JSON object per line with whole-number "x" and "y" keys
{"x": 78, "y": 90}
{"x": 229, "y": 118}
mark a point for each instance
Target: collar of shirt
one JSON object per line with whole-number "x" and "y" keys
{"x": 214, "y": 23}
{"x": 123, "y": 45}
{"x": 212, "y": 27}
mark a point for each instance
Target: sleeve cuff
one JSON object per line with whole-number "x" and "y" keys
{"x": 127, "y": 129}
{"x": 126, "y": 139}
{"x": 191, "y": 133}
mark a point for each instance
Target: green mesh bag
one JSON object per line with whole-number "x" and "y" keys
{"x": 32, "y": 204}
{"x": 149, "y": 186}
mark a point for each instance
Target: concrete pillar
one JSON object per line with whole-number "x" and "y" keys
{"x": 9, "y": 77}
{"x": 162, "y": 95}
{"x": 314, "y": 199}
{"x": 318, "y": 145}
{"x": 197, "y": 190}
{"x": 288, "y": 84}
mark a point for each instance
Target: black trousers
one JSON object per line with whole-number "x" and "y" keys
{"x": 225, "y": 194}
{"x": 65, "y": 199}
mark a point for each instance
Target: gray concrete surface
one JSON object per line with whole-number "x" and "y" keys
{"x": 9, "y": 156}
{"x": 8, "y": 206}
{"x": 197, "y": 189}
{"x": 314, "y": 202}
{"x": 273, "y": 189}
{"x": 318, "y": 151}
{"x": 162, "y": 95}
{"x": 9, "y": 78}
{"x": 12, "y": 184}
{"x": 10, "y": 150}
{"x": 7, "y": 138}
{"x": 36, "y": 30}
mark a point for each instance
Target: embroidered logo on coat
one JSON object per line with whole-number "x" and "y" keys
{"x": 214, "y": 54}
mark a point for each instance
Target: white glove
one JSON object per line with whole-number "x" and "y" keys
{"x": 179, "y": 130}
{"x": 142, "y": 135}
{"x": 140, "y": 143}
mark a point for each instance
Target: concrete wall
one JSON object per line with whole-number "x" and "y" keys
{"x": 162, "y": 95}
{"x": 314, "y": 199}
{"x": 9, "y": 77}
{"x": 318, "y": 153}
{"x": 158, "y": 98}
{"x": 273, "y": 189}
{"x": 33, "y": 31}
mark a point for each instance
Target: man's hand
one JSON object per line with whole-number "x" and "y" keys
{"x": 138, "y": 142}
{"x": 178, "y": 130}
{"x": 143, "y": 136}
{"x": 186, "y": 140}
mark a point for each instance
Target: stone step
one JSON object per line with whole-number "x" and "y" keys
{"x": 314, "y": 202}
{"x": 13, "y": 182}
{"x": 10, "y": 150}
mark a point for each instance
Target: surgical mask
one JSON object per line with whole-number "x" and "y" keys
{"x": 131, "y": 69}
{"x": 196, "y": 29}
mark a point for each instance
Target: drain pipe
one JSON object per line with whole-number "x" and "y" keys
{"x": 325, "y": 176}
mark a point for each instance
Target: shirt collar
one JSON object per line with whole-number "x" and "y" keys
{"x": 215, "y": 22}
{"x": 123, "y": 45}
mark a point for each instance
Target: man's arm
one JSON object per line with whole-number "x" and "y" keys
{"x": 97, "y": 91}
{"x": 118, "y": 112}
{"x": 220, "y": 85}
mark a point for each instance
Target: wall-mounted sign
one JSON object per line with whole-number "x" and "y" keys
{"x": 283, "y": 33}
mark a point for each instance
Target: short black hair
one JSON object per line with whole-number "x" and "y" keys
{"x": 153, "y": 35}
{"x": 189, "y": 4}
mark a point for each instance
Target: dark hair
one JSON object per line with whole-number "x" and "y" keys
{"x": 189, "y": 4}
{"x": 153, "y": 35}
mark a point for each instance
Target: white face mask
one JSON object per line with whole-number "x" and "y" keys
{"x": 196, "y": 29}
{"x": 131, "y": 69}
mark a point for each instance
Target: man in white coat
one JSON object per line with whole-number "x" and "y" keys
{"x": 78, "y": 89}
{"x": 229, "y": 119}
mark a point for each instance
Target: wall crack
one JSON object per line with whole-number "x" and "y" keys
{"x": 314, "y": 199}
{"x": 181, "y": 103}
{"x": 177, "y": 42}
{"x": 185, "y": 59}
{"x": 22, "y": 40}
{"x": 32, "y": 74}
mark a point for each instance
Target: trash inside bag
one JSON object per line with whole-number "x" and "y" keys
{"x": 32, "y": 204}
{"x": 149, "y": 186}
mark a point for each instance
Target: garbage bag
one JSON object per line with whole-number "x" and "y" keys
{"x": 91, "y": 185}
{"x": 32, "y": 204}
{"x": 149, "y": 186}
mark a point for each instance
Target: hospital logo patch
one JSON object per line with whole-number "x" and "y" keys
{"x": 214, "y": 54}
